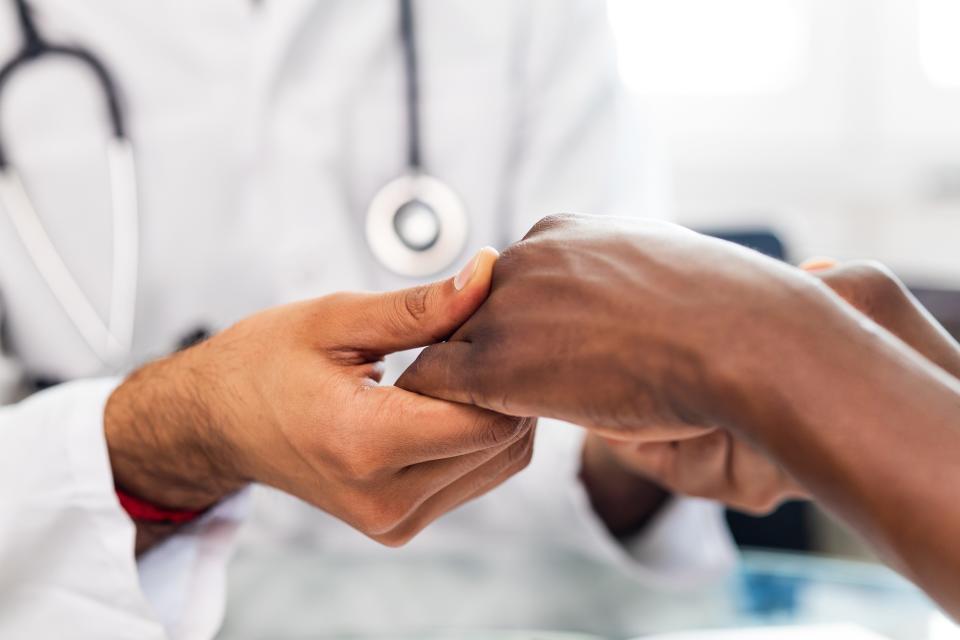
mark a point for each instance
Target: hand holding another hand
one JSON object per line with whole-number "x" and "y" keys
{"x": 290, "y": 398}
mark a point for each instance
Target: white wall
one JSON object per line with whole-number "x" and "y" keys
{"x": 836, "y": 122}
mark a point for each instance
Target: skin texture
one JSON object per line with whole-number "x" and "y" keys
{"x": 604, "y": 322}
{"x": 646, "y": 331}
{"x": 290, "y": 398}
{"x": 723, "y": 467}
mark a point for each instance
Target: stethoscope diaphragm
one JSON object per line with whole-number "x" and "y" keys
{"x": 416, "y": 225}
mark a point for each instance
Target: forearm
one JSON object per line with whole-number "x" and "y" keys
{"x": 872, "y": 430}
{"x": 163, "y": 444}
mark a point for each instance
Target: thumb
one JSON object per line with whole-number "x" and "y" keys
{"x": 398, "y": 320}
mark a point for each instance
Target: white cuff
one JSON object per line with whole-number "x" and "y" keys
{"x": 184, "y": 577}
{"x": 66, "y": 547}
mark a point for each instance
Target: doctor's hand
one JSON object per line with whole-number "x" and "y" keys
{"x": 290, "y": 398}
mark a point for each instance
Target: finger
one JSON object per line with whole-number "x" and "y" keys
{"x": 416, "y": 428}
{"x": 657, "y": 433}
{"x": 427, "y": 478}
{"x": 876, "y": 292}
{"x": 476, "y": 483}
{"x": 450, "y": 371}
{"x": 717, "y": 467}
{"x": 693, "y": 467}
{"x": 757, "y": 484}
{"x": 386, "y": 501}
{"x": 653, "y": 460}
{"x": 398, "y": 320}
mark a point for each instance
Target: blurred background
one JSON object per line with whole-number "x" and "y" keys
{"x": 835, "y": 123}
{"x": 809, "y": 128}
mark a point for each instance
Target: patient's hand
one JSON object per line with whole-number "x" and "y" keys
{"x": 723, "y": 467}
{"x": 658, "y": 338}
{"x": 606, "y": 323}
{"x": 875, "y": 291}
{"x": 717, "y": 465}
{"x": 626, "y": 327}
{"x": 720, "y": 466}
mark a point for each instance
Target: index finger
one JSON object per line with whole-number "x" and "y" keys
{"x": 418, "y": 428}
{"x": 448, "y": 371}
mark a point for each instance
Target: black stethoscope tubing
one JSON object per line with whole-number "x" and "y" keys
{"x": 35, "y": 47}
{"x": 415, "y": 191}
{"x": 412, "y": 84}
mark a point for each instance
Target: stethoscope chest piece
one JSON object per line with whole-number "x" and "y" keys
{"x": 416, "y": 225}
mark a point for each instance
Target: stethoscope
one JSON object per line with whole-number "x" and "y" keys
{"x": 415, "y": 225}
{"x": 109, "y": 340}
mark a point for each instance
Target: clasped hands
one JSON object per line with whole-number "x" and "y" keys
{"x": 290, "y": 397}
{"x": 659, "y": 341}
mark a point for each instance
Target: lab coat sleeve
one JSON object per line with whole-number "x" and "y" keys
{"x": 585, "y": 150}
{"x": 67, "y": 567}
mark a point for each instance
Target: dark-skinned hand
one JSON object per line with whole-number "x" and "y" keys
{"x": 680, "y": 455}
{"x": 603, "y": 322}
{"x": 726, "y": 468}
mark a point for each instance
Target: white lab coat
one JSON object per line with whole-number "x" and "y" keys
{"x": 262, "y": 130}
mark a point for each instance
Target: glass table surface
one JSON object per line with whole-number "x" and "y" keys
{"x": 286, "y": 593}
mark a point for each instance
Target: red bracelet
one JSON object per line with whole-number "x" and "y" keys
{"x": 148, "y": 512}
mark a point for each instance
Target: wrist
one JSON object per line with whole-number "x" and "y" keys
{"x": 757, "y": 373}
{"x": 165, "y": 446}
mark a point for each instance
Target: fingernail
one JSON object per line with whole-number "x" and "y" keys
{"x": 462, "y": 278}
{"x": 818, "y": 264}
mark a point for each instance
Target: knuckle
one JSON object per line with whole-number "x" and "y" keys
{"x": 359, "y": 463}
{"x": 492, "y": 430}
{"x": 376, "y": 516}
{"x": 400, "y": 535}
{"x": 393, "y": 540}
{"x": 872, "y": 285}
{"x": 878, "y": 279}
{"x": 700, "y": 487}
{"x": 764, "y": 501}
{"x": 414, "y": 302}
{"x": 519, "y": 454}
{"x": 550, "y": 222}
{"x": 525, "y": 455}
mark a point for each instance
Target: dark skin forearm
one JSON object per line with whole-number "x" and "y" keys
{"x": 872, "y": 429}
{"x": 646, "y": 332}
